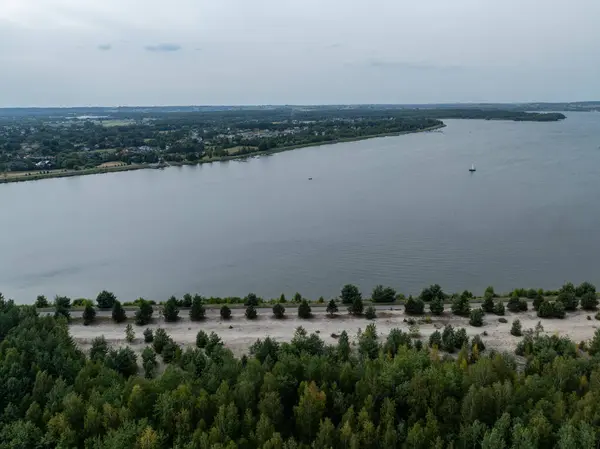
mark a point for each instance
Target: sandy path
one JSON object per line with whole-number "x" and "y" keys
{"x": 239, "y": 333}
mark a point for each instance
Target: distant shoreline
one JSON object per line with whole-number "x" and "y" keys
{"x": 122, "y": 168}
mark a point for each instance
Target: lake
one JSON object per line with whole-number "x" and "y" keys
{"x": 401, "y": 211}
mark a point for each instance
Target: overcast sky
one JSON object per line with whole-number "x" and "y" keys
{"x": 181, "y": 52}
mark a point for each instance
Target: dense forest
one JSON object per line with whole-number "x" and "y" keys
{"x": 372, "y": 392}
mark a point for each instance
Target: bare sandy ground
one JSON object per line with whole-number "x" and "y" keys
{"x": 238, "y": 333}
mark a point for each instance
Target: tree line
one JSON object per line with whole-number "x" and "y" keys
{"x": 374, "y": 392}
{"x": 567, "y": 299}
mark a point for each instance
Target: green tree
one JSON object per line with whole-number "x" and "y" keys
{"x": 170, "y": 310}
{"x": 201, "y": 339}
{"x": 143, "y": 316}
{"x": 350, "y": 293}
{"x": 436, "y": 306}
{"x": 148, "y": 336}
{"x": 282, "y": 299}
{"x": 161, "y": 338}
{"x": 105, "y": 300}
{"x": 383, "y": 294}
{"x": 332, "y": 308}
{"x": 309, "y": 411}
{"x": 279, "y": 311}
{"x": 99, "y": 348}
{"x": 431, "y": 292}
{"x": 129, "y": 333}
{"x": 62, "y": 307}
{"x": 356, "y": 308}
{"x": 343, "y": 347}
{"x": 304, "y": 310}
{"x": 461, "y": 305}
{"x": 89, "y": 314}
{"x": 225, "y": 312}
{"x": 567, "y": 295}
{"x": 435, "y": 339}
{"x": 370, "y": 313}
{"x": 118, "y": 313}
{"x": 251, "y": 300}
{"x": 499, "y": 308}
{"x": 123, "y": 361}
{"x": 516, "y": 328}
{"x": 589, "y": 301}
{"x": 585, "y": 288}
{"x": 414, "y": 306}
{"x": 197, "y": 311}
{"x": 187, "y": 300}
{"x": 297, "y": 298}
{"x": 41, "y": 302}
{"x": 251, "y": 313}
{"x": 476, "y": 318}
{"x": 488, "y": 302}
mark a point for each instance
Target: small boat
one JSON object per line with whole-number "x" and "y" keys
{"x": 310, "y": 179}
{"x": 472, "y": 169}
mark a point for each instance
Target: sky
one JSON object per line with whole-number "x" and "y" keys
{"x": 225, "y": 52}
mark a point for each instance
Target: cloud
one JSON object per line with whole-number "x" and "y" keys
{"x": 104, "y": 47}
{"x": 163, "y": 47}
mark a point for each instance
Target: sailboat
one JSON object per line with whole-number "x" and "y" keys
{"x": 472, "y": 169}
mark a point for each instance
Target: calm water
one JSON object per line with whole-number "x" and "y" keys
{"x": 401, "y": 211}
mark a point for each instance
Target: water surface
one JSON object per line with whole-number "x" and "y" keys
{"x": 402, "y": 211}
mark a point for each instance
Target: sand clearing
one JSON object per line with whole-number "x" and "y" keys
{"x": 239, "y": 333}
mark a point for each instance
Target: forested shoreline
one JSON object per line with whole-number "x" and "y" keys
{"x": 377, "y": 391}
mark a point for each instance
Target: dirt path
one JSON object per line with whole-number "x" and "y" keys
{"x": 239, "y": 333}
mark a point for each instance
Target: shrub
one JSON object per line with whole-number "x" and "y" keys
{"x": 460, "y": 306}
{"x": 531, "y": 293}
{"x": 118, "y": 312}
{"x": 476, "y": 318}
{"x": 460, "y": 338}
{"x": 383, "y": 294}
{"x": 350, "y": 293}
{"x": 435, "y": 339}
{"x": 431, "y": 292}
{"x": 251, "y": 313}
{"x": 197, "y": 311}
{"x": 414, "y": 306}
{"x": 499, "y": 308}
{"x": 278, "y": 311}
{"x": 170, "y": 310}
{"x": 539, "y": 299}
{"x": 589, "y": 301}
{"x": 332, "y": 307}
{"x": 304, "y": 310}
{"x": 201, "y": 339}
{"x": 148, "y": 335}
{"x": 477, "y": 341}
{"x": 568, "y": 299}
{"x": 144, "y": 314}
{"x": 41, "y": 302}
{"x": 129, "y": 333}
{"x": 488, "y": 303}
{"x": 161, "y": 338}
{"x": 225, "y": 312}
{"x": 585, "y": 288}
{"x": 597, "y": 316}
{"x": 89, "y": 314}
{"x": 448, "y": 339}
{"x": 105, "y": 300}
{"x": 551, "y": 309}
{"x": 514, "y": 304}
{"x": 436, "y": 306}
{"x": 370, "y": 313}
{"x": 522, "y": 305}
{"x": 251, "y": 300}
{"x": 516, "y": 328}
{"x": 356, "y": 308}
